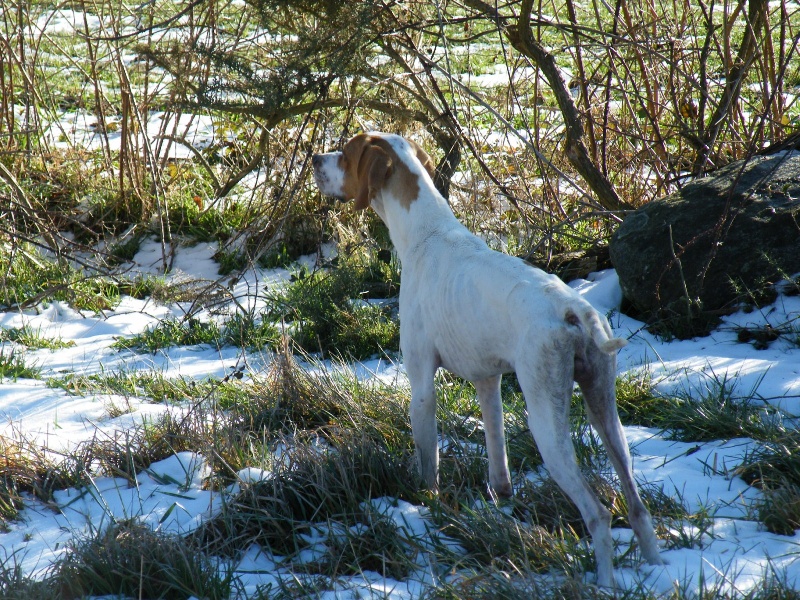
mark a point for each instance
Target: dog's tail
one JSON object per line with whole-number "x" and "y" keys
{"x": 595, "y": 326}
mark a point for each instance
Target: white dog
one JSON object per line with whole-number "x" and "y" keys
{"x": 480, "y": 313}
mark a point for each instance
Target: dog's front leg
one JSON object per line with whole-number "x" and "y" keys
{"x": 423, "y": 426}
{"x": 423, "y": 421}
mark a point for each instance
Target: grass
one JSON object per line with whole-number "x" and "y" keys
{"x": 33, "y": 339}
{"x": 333, "y": 444}
{"x": 519, "y": 584}
{"x": 153, "y": 385}
{"x": 242, "y": 330}
{"x": 319, "y": 480}
{"x": 171, "y": 332}
{"x": 12, "y": 366}
{"x": 31, "y": 277}
{"x": 28, "y": 470}
{"x": 779, "y": 509}
{"x": 376, "y": 544}
{"x": 721, "y": 413}
{"x": 774, "y": 466}
{"x": 762, "y": 337}
{"x": 16, "y": 470}
{"x": 130, "y": 559}
{"x": 715, "y": 412}
{"x": 774, "y": 462}
{"x": 328, "y": 311}
{"x": 490, "y": 537}
{"x": 226, "y": 393}
{"x": 15, "y": 585}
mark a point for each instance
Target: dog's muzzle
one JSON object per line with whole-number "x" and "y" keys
{"x": 328, "y": 176}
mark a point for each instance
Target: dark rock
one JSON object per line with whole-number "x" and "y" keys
{"x": 717, "y": 242}
{"x": 573, "y": 265}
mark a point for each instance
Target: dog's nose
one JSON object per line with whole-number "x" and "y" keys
{"x": 316, "y": 161}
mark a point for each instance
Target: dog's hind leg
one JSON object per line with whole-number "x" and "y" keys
{"x": 596, "y": 377}
{"x": 610, "y": 430}
{"x": 547, "y": 397}
{"x": 603, "y": 417}
{"x": 488, "y": 391}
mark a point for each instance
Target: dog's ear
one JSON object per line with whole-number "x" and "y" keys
{"x": 374, "y": 168}
{"x": 422, "y": 156}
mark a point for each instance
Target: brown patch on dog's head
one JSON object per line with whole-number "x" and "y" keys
{"x": 366, "y": 168}
{"x": 370, "y": 163}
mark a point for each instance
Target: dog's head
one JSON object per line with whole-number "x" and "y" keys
{"x": 370, "y": 163}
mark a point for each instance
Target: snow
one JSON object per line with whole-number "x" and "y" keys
{"x": 168, "y": 497}
{"x": 735, "y": 552}
{"x": 82, "y": 129}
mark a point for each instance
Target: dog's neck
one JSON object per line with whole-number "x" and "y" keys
{"x": 408, "y": 226}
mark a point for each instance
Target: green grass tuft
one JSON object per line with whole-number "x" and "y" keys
{"x": 12, "y": 366}
{"x": 15, "y": 585}
{"x": 489, "y": 536}
{"x": 374, "y": 543}
{"x": 132, "y": 560}
{"x": 637, "y": 402}
{"x": 318, "y": 480}
{"x": 30, "y": 278}
{"x": 28, "y": 469}
{"x": 774, "y": 466}
{"x": 717, "y": 412}
{"x": 241, "y": 330}
{"x": 171, "y": 332}
{"x": 34, "y": 340}
{"x": 329, "y": 313}
{"x": 779, "y": 509}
